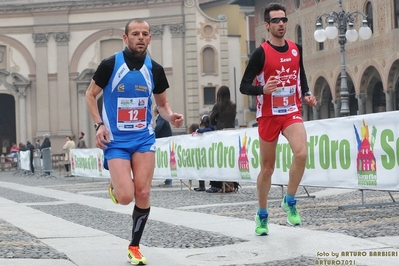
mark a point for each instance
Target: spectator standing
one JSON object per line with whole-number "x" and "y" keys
{"x": 162, "y": 130}
{"x": 22, "y": 146}
{"x": 81, "y": 142}
{"x": 69, "y": 144}
{"x": 223, "y": 116}
{"x": 45, "y": 144}
{"x": 279, "y": 98}
{"x": 14, "y": 148}
{"x": 37, "y": 144}
{"x": 30, "y": 148}
{"x": 131, "y": 78}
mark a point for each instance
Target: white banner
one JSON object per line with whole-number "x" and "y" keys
{"x": 360, "y": 152}
{"x": 24, "y": 160}
{"x": 88, "y": 162}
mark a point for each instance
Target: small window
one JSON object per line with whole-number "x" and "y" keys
{"x": 252, "y": 47}
{"x": 320, "y": 45}
{"x": 297, "y": 4}
{"x": 369, "y": 13}
{"x": 396, "y": 15}
{"x": 208, "y": 61}
{"x": 209, "y": 95}
{"x": 299, "y": 35}
{"x": 3, "y": 57}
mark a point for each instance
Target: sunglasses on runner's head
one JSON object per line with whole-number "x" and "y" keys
{"x": 277, "y": 20}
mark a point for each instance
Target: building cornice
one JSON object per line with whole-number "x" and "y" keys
{"x": 13, "y": 7}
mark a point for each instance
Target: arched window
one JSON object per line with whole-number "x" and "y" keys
{"x": 320, "y": 45}
{"x": 369, "y": 13}
{"x": 297, "y": 4}
{"x": 396, "y": 14}
{"x": 379, "y": 102}
{"x": 3, "y": 57}
{"x": 299, "y": 35}
{"x": 208, "y": 61}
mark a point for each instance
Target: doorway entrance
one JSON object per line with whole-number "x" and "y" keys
{"x": 7, "y": 123}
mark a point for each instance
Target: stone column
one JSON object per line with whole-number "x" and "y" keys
{"x": 85, "y": 123}
{"x": 42, "y": 90}
{"x": 63, "y": 92}
{"x": 316, "y": 111}
{"x": 389, "y": 99}
{"x": 21, "y": 86}
{"x": 337, "y": 107}
{"x": 83, "y": 112}
{"x": 305, "y": 111}
{"x": 22, "y": 114}
{"x": 361, "y": 102}
{"x": 191, "y": 67}
{"x": 156, "y": 43}
{"x": 178, "y": 67}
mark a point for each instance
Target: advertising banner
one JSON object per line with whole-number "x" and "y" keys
{"x": 360, "y": 152}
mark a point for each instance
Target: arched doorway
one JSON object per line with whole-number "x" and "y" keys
{"x": 397, "y": 95}
{"x": 7, "y": 122}
{"x": 372, "y": 92}
{"x": 393, "y": 87}
{"x": 379, "y": 102}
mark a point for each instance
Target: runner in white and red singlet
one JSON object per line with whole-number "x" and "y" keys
{"x": 280, "y": 83}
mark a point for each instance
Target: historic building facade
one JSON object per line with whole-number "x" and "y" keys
{"x": 49, "y": 51}
{"x": 372, "y": 66}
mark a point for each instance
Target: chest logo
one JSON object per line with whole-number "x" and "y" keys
{"x": 121, "y": 88}
{"x": 285, "y": 76}
{"x": 285, "y": 60}
{"x": 140, "y": 88}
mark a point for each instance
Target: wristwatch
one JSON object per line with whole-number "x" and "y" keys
{"x": 98, "y": 125}
{"x": 308, "y": 93}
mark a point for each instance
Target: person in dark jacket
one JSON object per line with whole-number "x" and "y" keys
{"x": 223, "y": 114}
{"x": 81, "y": 142}
{"x": 30, "y": 147}
{"x": 162, "y": 130}
{"x": 45, "y": 144}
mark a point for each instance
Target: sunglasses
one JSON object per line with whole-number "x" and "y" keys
{"x": 277, "y": 20}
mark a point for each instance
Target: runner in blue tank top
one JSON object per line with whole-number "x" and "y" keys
{"x": 128, "y": 81}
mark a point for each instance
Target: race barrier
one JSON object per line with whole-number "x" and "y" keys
{"x": 356, "y": 152}
{"x": 42, "y": 162}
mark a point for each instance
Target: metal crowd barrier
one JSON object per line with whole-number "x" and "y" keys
{"x": 47, "y": 163}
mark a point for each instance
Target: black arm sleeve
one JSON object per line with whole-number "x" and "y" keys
{"x": 254, "y": 67}
{"x": 304, "y": 81}
{"x": 104, "y": 72}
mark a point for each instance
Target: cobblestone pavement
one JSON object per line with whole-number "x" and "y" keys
{"x": 319, "y": 213}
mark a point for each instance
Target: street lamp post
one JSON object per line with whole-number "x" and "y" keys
{"x": 343, "y": 20}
